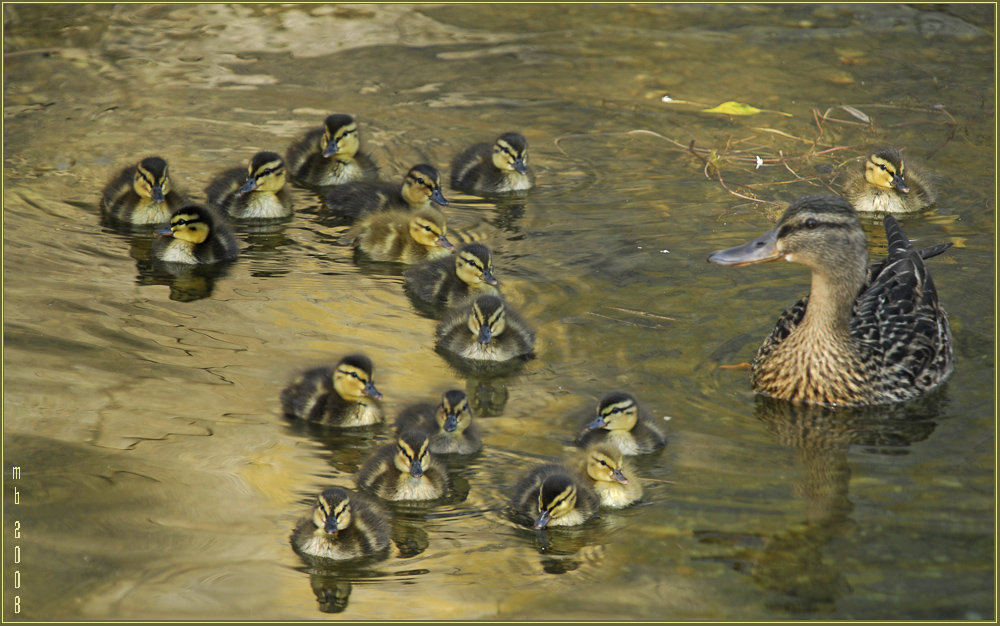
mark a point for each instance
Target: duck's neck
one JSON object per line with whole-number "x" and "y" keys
{"x": 831, "y": 300}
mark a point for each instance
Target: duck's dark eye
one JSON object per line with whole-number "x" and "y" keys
{"x": 811, "y": 223}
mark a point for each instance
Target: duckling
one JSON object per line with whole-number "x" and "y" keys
{"x": 420, "y": 185}
{"x": 142, "y": 194}
{"x": 404, "y": 470}
{"x": 486, "y": 329}
{"x": 345, "y": 397}
{"x": 448, "y": 423}
{"x": 551, "y": 495}
{"x": 611, "y": 476}
{"x": 257, "y": 192}
{"x": 866, "y": 334}
{"x": 884, "y": 184}
{"x": 500, "y": 168}
{"x": 331, "y": 155}
{"x": 196, "y": 235}
{"x": 402, "y": 236}
{"x": 623, "y": 424}
{"x": 343, "y": 525}
{"x": 443, "y": 283}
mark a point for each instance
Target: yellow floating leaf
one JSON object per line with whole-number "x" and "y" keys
{"x": 734, "y": 108}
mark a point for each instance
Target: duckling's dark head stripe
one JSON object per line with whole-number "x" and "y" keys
{"x": 516, "y": 141}
{"x": 271, "y": 159}
{"x": 429, "y": 172}
{"x": 358, "y": 361}
{"x": 337, "y": 121}
{"x": 479, "y": 251}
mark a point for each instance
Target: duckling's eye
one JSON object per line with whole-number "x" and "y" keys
{"x": 428, "y": 229}
{"x": 421, "y": 181}
{"x": 811, "y": 223}
{"x": 603, "y": 463}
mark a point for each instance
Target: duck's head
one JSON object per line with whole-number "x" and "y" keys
{"x": 412, "y": 453}
{"x": 820, "y": 232}
{"x": 151, "y": 179}
{"x": 454, "y": 414}
{"x": 266, "y": 173}
{"x": 353, "y": 379}
{"x": 192, "y": 223}
{"x": 616, "y": 411}
{"x": 340, "y": 136}
{"x": 605, "y": 463}
{"x": 556, "y": 498}
{"x": 510, "y": 153}
{"x": 488, "y": 318}
{"x": 428, "y": 228}
{"x": 884, "y": 169}
{"x": 332, "y": 512}
{"x": 474, "y": 264}
{"x": 422, "y": 182}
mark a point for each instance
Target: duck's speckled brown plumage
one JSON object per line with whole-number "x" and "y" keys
{"x": 865, "y": 334}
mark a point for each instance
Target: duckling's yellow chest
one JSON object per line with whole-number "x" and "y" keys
{"x": 514, "y": 181}
{"x": 148, "y": 212}
{"x": 410, "y": 488}
{"x": 179, "y": 251}
{"x": 363, "y": 414}
{"x": 573, "y": 518}
{"x": 264, "y": 205}
{"x": 624, "y": 441}
{"x": 339, "y": 172}
{"x": 616, "y": 495}
{"x": 325, "y": 545}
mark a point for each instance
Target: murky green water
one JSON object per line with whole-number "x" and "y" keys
{"x": 158, "y": 480}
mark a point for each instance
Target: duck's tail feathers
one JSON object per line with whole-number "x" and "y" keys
{"x": 894, "y": 235}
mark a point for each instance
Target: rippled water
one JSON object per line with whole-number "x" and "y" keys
{"x": 158, "y": 479}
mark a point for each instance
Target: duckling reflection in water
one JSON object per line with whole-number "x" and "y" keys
{"x": 343, "y": 525}
{"x": 866, "y": 334}
{"x": 551, "y": 495}
{"x": 498, "y": 168}
{"x": 444, "y": 283}
{"x": 885, "y": 184}
{"x": 331, "y": 155}
{"x": 421, "y": 185}
{"x": 611, "y": 476}
{"x": 196, "y": 235}
{"x": 404, "y": 470}
{"x": 142, "y": 194}
{"x": 402, "y": 236}
{"x": 486, "y": 329}
{"x": 449, "y": 424}
{"x": 258, "y": 192}
{"x": 622, "y": 423}
{"x": 344, "y": 397}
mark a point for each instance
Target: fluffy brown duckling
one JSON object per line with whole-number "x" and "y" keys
{"x": 331, "y": 155}
{"x": 343, "y": 525}
{"x": 448, "y": 423}
{"x": 551, "y": 495}
{"x": 257, "y": 192}
{"x": 344, "y": 397}
{"x": 610, "y": 474}
{"x": 402, "y": 236}
{"x": 500, "y": 167}
{"x": 441, "y": 284}
{"x": 886, "y": 184}
{"x": 196, "y": 235}
{"x": 404, "y": 470}
{"x": 485, "y": 328}
{"x": 623, "y": 424}
{"x": 421, "y": 185}
{"x": 142, "y": 194}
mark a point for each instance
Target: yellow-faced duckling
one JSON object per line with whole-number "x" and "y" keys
{"x": 196, "y": 235}
{"x": 343, "y": 525}
{"x": 485, "y": 328}
{"x": 449, "y": 424}
{"x": 402, "y": 236}
{"x": 498, "y": 168}
{"x": 142, "y": 194}
{"x": 331, "y": 155}
{"x": 885, "y": 184}
{"x": 865, "y": 334}
{"x": 404, "y": 470}
{"x": 344, "y": 397}
{"x": 421, "y": 185}
{"x": 551, "y": 495}
{"x": 611, "y": 476}
{"x": 443, "y": 283}
{"x": 258, "y": 192}
{"x": 624, "y": 425}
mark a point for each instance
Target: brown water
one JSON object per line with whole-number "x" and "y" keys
{"x": 158, "y": 479}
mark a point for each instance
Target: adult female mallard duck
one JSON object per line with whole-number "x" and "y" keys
{"x": 885, "y": 184}
{"x": 404, "y": 470}
{"x": 196, "y": 235}
{"x": 331, "y": 155}
{"x": 448, "y": 423}
{"x": 343, "y": 525}
{"x": 485, "y": 328}
{"x": 500, "y": 167}
{"x": 258, "y": 192}
{"x": 624, "y": 425}
{"x": 441, "y": 284}
{"x": 611, "y": 476}
{"x": 551, "y": 495}
{"x": 402, "y": 236}
{"x": 142, "y": 194}
{"x": 864, "y": 334}
{"x": 421, "y": 185}
{"x": 344, "y": 397}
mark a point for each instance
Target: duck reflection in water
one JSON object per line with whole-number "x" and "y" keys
{"x": 791, "y": 562}
{"x": 187, "y": 283}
